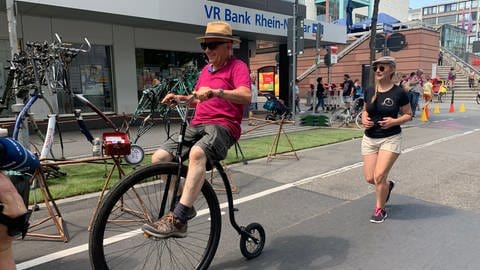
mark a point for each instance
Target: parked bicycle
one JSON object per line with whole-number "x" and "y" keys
{"x": 150, "y": 108}
{"x": 116, "y": 241}
{"x": 341, "y": 116}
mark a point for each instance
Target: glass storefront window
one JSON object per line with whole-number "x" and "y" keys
{"x": 90, "y": 74}
{"x": 159, "y": 64}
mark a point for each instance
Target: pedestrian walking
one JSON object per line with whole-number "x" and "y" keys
{"x": 471, "y": 79}
{"x": 440, "y": 58}
{"x": 297, "y": 97}
{"x": 253, "y": 103}
{"x": 320, "y": 93}
{"x": 381, "y": 143}
{"x": 416, "y": 88}
{"x": 452, "y": 76}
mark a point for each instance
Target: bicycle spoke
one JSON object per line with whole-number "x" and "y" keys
{"x": 137, "y": 201}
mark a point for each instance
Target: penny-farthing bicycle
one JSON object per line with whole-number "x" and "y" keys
{"x": 117, "y": 242}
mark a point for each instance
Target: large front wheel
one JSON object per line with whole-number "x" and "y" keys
{"x": 117, "y": 242}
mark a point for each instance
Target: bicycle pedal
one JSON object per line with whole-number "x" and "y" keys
{"x": 235, "y": 209}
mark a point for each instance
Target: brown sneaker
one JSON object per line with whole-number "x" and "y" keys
{"x": 167, "y": 226}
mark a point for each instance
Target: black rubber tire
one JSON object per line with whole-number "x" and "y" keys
{"x": 251, "y": 248}
{"x": 122, "y": 213}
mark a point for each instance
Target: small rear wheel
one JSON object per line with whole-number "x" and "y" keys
{"x": 478, "y": 99}
{"x": 251, "y": 247}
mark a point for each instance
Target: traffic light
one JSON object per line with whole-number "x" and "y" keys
{"x": 327, "y": 59}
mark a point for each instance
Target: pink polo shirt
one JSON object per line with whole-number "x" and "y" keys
{"x": 217, "y": 110}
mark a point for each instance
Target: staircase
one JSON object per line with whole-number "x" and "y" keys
{"x": 340, "y": 55}
{"x": 462, "y": 92}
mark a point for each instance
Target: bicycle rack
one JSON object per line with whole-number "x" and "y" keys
{"x": 50, "y": 204}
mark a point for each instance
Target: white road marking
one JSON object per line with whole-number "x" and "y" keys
{"x": 123, "y": 236}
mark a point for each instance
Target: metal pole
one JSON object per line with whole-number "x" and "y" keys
{"x": 12, "y": 27}
{"x": 12, "y": 35}
{"x": 317, "y": 63}
{"x": 294, "y": 58}
{"x": 327, "y": 12}
{"x": 478, "y": 10}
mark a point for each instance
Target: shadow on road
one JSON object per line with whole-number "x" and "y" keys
{"x": 294, "y": 252}
{"x": 411, "y": 211}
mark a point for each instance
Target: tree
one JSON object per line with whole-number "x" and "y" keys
{"x": 373, "y": 32}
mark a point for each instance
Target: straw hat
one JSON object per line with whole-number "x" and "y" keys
{"x": 219, "y": 29}
{"x": 385, "y": 60}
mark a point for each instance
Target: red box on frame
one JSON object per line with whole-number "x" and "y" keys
{"x": 116, "y": 143}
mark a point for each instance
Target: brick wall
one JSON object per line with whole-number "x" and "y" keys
{"x": 421, "y": 51}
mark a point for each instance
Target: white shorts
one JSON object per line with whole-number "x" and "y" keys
{"x": 373, "y": 145}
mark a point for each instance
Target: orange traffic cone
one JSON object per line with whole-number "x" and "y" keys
{"x": 452, "y": 108}
{"x": 424, "y": 117}
{"x": 427, "y": 111}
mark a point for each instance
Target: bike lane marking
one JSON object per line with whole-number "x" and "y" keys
{"x": 82, "y": 248}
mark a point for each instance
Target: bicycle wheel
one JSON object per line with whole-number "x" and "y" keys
{"x": 337, "y": 117}
{"x": 358, "y": 120}
{"x": 478, "y": 99}
{"x": 116, "y": 241}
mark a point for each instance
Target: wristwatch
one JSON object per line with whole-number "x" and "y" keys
{"x": 220, "y": 93}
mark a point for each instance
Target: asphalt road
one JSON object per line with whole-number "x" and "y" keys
{"x": 316, "y": 210}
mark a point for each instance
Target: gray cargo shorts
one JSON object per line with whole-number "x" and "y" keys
{"x": 214, "y": 140}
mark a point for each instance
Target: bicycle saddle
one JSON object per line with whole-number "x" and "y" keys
{"x": 18, "y": 225}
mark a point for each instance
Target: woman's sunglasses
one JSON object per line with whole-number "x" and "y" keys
{"x": 212, "y": 45}
{"x": 381, "y": 68}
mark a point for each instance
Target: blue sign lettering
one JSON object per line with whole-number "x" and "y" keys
{"x": 212, "y": 12}
{"x": 231, "y": 16}
{"x": 261, "y": 20}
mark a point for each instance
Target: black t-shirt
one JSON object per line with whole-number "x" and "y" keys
{"x": 348, "y": 87}
{"x": 320, "y": 90}
{"x": 386, "y": 104}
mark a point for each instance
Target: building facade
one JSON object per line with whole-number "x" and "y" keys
{"x": 462, "y": 14}
{"x": 362, "y": 9}
{"x": 135, "y": 42}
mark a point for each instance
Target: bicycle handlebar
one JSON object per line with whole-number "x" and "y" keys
{"x": 70, "y": 49}
{"x": 177, "y": 101}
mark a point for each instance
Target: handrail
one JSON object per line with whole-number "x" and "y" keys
{"x": 340, "y": 55}
{"x": 458, "y": 63}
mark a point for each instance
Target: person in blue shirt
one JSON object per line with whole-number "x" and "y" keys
{"x": 358, "y": 95}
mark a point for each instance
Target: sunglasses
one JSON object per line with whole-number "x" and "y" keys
{"x": 212, "y": 45}
{"x": 381, "y": 68}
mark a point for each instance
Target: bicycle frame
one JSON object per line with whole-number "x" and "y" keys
{"x": 228, "y": 189}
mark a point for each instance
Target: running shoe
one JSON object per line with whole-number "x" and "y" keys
{"x": 379, "y": 215}
{"x": 391, "y": 185}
